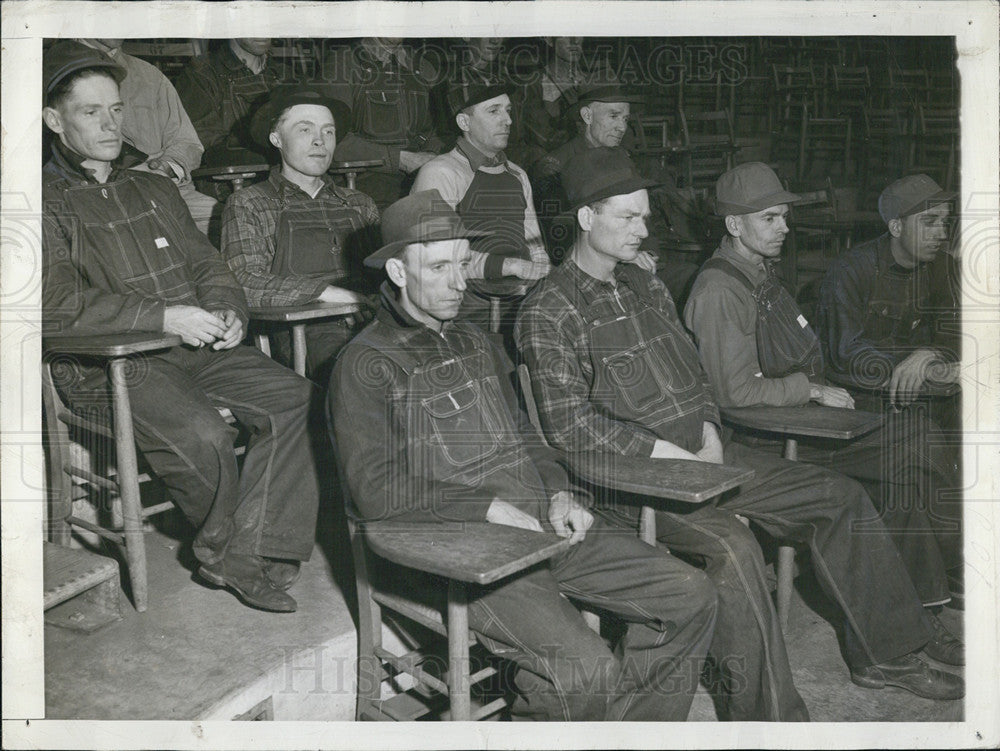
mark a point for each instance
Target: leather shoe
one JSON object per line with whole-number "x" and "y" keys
{"x": 282, "y": 574}
{"x": 944, "y": 646}
{"x": 912, "y": 674}
{"x": 244, "y": 574}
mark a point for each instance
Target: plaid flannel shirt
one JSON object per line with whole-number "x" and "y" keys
{"x": 249, "y": 225}
{"x": 553, "y": 338}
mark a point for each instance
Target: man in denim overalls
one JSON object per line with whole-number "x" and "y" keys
{"x": 298, "y": 238}
{"x": 615, "y": 371}
{"x": 758, "y": 350}
{"x": 428, "y": 430}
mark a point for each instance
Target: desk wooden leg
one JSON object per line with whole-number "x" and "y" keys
{"x": 495, "y": 315}
{"x": 299, "y": 348}
{"x": 786, "y": 556}
{"x": 458, "y": 652}
{"x": 352, "y": 178}
{"x": 128, "y": 484}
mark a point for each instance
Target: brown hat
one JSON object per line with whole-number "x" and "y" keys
{"x": 910, "y": 195}
{"x": 462, "y": 95}
{"x": 282, "y": 98}
{"x": 749, "y": 188}
{"x": 600, "y": 173}
{"x": 422, "y": 217}
{"x": 66, "y": 57}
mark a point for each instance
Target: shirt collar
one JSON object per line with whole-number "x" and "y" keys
{"x": 592, "y": 287}
{"x": 244, "y": 58}
{"x": 69, "y": 159}
{"x": 394, "y": 314}
{"x": 286, "y": 188}
{"x": 755, "y": 271}
{"x": 477, "y": 158}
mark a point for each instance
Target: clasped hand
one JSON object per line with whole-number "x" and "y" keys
{"x": 221, "y": 329}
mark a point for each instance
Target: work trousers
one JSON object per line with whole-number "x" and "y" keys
{"x": 913, "y": 482}
{"x": 324, "y": 340}
{"x": 566, "y": 671}
{"x": 269, "y": 508}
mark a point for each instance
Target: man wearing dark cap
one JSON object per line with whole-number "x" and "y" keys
{"x": 614, "y": 371}
{"x": 758, "y": 350}
{"x": 428, "y": 430}
{"x": 297, "y": 238}
{"x": 875, "y": 315}
{"x": 492, "y": 195}
{"x": 122, "y": 254}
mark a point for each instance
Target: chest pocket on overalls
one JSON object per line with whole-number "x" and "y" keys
{"x": 890, "y": 321}
{"x": 309, "y": 241}
{"x": 785, "y": 342}
{"x": 650, "y": 371}
{"x": 381, "y": 116}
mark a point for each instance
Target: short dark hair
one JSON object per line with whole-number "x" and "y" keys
{"x": 62, "y": 89}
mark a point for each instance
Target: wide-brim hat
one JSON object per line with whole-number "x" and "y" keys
{"x": 911, "y": 195}
{"x": 68, "y": 56}
{"x": 422, "y": 217}
{"x": 609, "y": 93}
{"x": 600, "y": 173}
{"x": 749, "y": 188}
{"x": 462, "y": 95}
{"x": 264, "y": 119}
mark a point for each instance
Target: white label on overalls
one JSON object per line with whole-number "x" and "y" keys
{"x": 758, "y": 375}
{"x": 802, "y": 321}
{"x": 161, "y": 242}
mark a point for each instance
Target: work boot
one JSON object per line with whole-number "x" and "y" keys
{"x": 944, "y": 646}
{"x": 244, "y": 574}
{"x": 281, "y": 573}
{"x": 912, "y": 674}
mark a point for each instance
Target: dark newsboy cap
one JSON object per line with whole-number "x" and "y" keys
{"x": 910, "y": 195}
{"x": 422, "y": 217}
{"x": 264, "y": 119}
{"x": 67, "y": 57}
{"x": 610, "y": 93}
{"x": 601, "y": 173}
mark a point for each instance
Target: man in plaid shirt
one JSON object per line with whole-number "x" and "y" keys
{"x": 614, "y": 371}
{"x": 297, "y": 238}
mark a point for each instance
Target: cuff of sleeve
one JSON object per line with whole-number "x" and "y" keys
{"x": 494, "y": 266}
{"x": 798, "y": 387}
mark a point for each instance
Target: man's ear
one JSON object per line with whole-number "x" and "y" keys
{"x": 395, "y": 268}
{"x": 585, "y": 216}
{"x": 462, "y": 120}
{"x": 275, "y": 139}
{"x": 895, "y": 227}
{"x": 586, "y": 114}
{"x": 733, "y": 225}
{"x": 52, "y": 119}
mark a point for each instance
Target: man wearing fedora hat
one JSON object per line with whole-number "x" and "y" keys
{"x": 492, "y": 195}
{"x": 122, "y": 254}
{"x": 428, "y": 429}
{"x": 758, "y": 350}
{"x": 615, "y": 371}
{"x": 298, "y": 238}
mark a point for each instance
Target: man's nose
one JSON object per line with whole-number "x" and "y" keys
{"x": 641, "y": 231}
{"x": 458, "y": 279}
{"x": 110, "y": 121}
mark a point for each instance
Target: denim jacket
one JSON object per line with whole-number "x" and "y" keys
{"x": 427, "y": 426}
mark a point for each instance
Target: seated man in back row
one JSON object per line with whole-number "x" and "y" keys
{"x": 428, "y": 430}
{"x": 297, "y": 238}
{"x": 758, "y": 350}
{"x": 122, "y": 254}
{"x": 614, "y": 371}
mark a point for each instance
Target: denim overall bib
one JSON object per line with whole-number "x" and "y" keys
{"x": 309, "y": 240}
{"x": 786, "y": 343}
{"x": 457, "y": 424}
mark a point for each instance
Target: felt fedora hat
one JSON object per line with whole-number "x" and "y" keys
{"x": 422, "y": 217}
{"x": 600, "y": 173}
{"x": 268, "y": 113}
{"x": 462, "y": 95}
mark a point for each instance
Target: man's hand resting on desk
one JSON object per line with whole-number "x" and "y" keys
{"x": 711, "y": 444}
{"x": 830, "y": 396}
{"x": 568, "y": 517}
{"x": 501, "y": 512}
{"x": 908, "y": 376}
